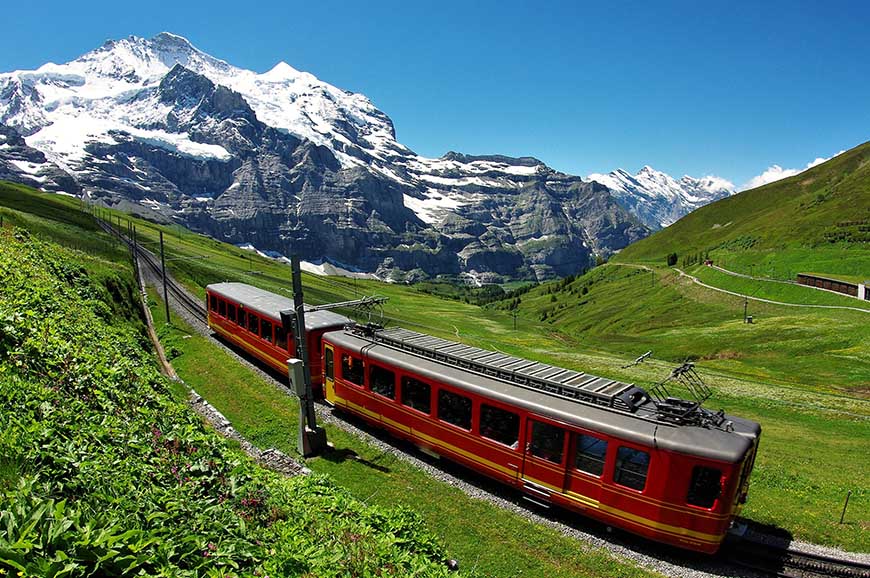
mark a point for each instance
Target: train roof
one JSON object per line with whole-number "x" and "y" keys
{"x": 271, "y": 305}
{"x": 640, "y": 427}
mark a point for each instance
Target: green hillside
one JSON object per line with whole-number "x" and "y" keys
{"x": 629, "y": 310}
{"x": 818, "y": 220}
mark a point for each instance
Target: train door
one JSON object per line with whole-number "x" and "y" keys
{"x": 329, "y": 373}
{"x": 586, "y": 460}
{"x": 544, "y": 459}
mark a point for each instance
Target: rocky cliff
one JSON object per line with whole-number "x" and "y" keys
{"x": 288, "y": 163}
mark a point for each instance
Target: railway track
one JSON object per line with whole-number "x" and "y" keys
{"x": 179, "y": 293}
{"x": 789, "y": 563}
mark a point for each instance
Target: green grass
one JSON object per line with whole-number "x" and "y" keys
{"x": 841, "y": 277}
{"x": 847, "y": 262}
{"x": 57, "y": 208}
{"x": 628, "y": 310}
{"x": 480, "y": 535}
{"x": 103, "y": 473}
{"x": 59, "y": 218}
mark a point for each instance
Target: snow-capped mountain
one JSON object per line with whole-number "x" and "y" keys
{"x": 290, "y": 163}
{"x": 72, "y": 103}
{"x": 657, "y": 198}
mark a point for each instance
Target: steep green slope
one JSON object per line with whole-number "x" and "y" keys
{"x": 817, "y": 220}
{"x": 104, "y": 473}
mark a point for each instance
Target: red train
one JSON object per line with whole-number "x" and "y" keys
{"x": 600, "y": 447}
{"x": 250, "y": 318}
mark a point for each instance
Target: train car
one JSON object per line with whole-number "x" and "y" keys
{"x": 600, "y": 447}
{"x": 250, "y": 318}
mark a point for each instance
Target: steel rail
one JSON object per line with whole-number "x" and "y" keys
{"x": 786, "y": 562}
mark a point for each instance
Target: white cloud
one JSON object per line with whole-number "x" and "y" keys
{"x": 776, "y": 172}
{"x": 773, "y": 173}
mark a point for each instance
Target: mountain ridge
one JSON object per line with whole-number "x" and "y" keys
{"x": 189, "y": 137}
{"x": 660, "y": 200}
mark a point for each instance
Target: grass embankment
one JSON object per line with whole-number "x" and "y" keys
{"x": 849, "y": 262}
{"x": 102, "y": 472}
{"x": 56, "y": 217}
{"x": 774, "y": 290}
{"x": 482, "y": 536}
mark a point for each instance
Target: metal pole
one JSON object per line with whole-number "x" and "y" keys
{"x": 312, "y": 439}
{"x": 745, "y": 305}
{"x": 299, "y": 316}
{"x": 843, "y": 515}
{"x": 163, "y": 271}
{"x": 135, "y": 250}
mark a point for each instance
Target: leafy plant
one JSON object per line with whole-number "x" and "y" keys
{"x": 121, "y": 479}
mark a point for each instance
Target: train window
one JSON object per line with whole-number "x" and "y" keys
{"x": 454, "y": 409}
{"x": 499, "y": 425}
{"x": 280, "y": 337}
{"x": 327, "y": 361}
{"x": 352, "y": 369}
{"x": 266, "y": 330}
{"x": 548, "y": 442}
{"x": 253, "y": 323}
{"x": 222, "y": 308}
{"x": 631, "y": 468}
{"x": 213, "y": 302}
{"x": 416, "y": 394}
{"x": 231, "y": 312}
{"x": 591, "y": 452}
{"x": 705, "y": 487}
{"x": 382, "y": 381}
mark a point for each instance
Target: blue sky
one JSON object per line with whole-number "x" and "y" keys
{"x": 724, "y": 88}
